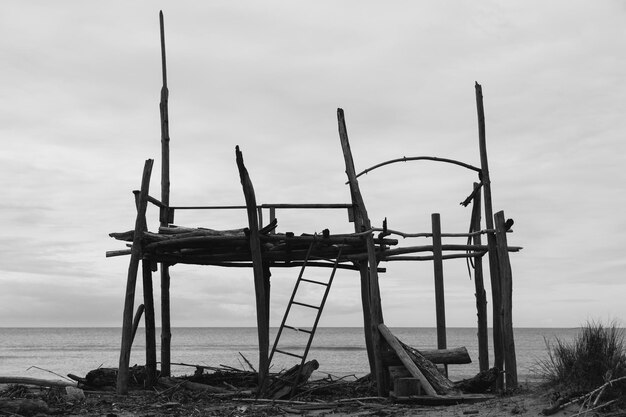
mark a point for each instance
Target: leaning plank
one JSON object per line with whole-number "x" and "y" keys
{"x": 406, "y": 360}
{"x": 35, "y": 381}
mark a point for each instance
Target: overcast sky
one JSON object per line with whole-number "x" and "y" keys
{"x": 79, "y": 92}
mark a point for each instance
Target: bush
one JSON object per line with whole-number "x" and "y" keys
{"x": 596, "y": 356}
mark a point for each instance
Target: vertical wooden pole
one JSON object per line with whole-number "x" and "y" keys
{"x": 135, "y": 257}
{"x": 260, "y": 277}
{"x": 510, "y": 362}
{"x": 166, "y": 333}
{"x": 148, "y": 301}
{"x": 370, "y": 290}
{"x": 440, "y": 306}
{"x": 481, "y": 296}
{"x": 491, "y": 239}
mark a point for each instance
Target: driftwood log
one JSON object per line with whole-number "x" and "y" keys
{"x": 35, "y": 381}
{"x": 456, "y": 356}
{"x": 283, "y": 384}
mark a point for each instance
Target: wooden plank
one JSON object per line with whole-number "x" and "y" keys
{"x": 479, "y": 285}
{"x": 405, "y": 359}
{"x": 370, "y": 292}
{"x": 135, "y": 257}
{"x": 148, "y": 302}
{"x": 510, "y": 362}
{"x": 491, "y": 239}
{"x": 260, "y": 284}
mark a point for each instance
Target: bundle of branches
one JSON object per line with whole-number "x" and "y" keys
{"x": 287, "y": 382}
{"x": 331, "y": 388}
{"x": 231, "y": 377}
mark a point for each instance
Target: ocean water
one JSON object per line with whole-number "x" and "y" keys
{"x": 340, "y": 351}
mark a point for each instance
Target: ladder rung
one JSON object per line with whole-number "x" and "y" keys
{"x": 298, "y": 329}
{"x": 306, "y": 305}
{"x": 287, "y": 353}
{"x": 314, "y": 282}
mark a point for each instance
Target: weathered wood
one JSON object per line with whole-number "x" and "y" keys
{"x": 479, "y": 383}
{"x": 148, "y": 301}
{"x": 420, "y": 158}
{"x": 283, "y": 384}
{"x": 506, "y": 279}
{"x": 370, "y": 292}
{"x": 259, "y": 274}
{"x": 429, "y": 248}
{"x": 192, "y": 386}
{"x": 35, "y": 381}
{"x": 166, "y": 333}
{"x": 403, "y": 387}
{"x": 439, "y": 382}
{"x": 440, "y": 308}
{"x": 122, "y": 377}
{"x": 481, "y": 295}
{"x": 430, "y": 258}
{"x": 137, "y": 320}
{"x": 406, "y": 360}
{"x": 450, "y": 356}
{"x": 491, "y": 239}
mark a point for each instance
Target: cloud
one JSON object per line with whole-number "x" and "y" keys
{"x": 79, "y": 116}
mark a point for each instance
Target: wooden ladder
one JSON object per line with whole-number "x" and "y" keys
{"x": 319, "y": 309}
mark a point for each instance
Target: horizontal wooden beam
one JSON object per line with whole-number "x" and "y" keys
{"x": 269, "y": 206}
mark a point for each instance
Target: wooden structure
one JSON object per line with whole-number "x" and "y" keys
{"x": 262, "y": 248}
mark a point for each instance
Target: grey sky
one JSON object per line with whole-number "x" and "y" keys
{"x": 79, "y": 115}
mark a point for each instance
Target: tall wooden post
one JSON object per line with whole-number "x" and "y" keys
{"x": 166, "y": 333}
{"x": 369, "y": 282}
{"x": 481, "y": 296}
{"x": 129, "y": 301}
{"x": 440, "y": 307}
{"x": 491, "y": 240}
{"x": 510, "y": 362}
{"x": 261, "y": 278}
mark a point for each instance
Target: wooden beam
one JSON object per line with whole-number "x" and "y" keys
{"x": 135, "y": 257}
{"x": 260, "y": 284}
{"x": 506, "y": 277}
{"x": 370, "y": 292}
{"x": 491, "y": 239}
{"x": 479, "y": 285}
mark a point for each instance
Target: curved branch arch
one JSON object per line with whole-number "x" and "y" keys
{"x": 422, "y": 158}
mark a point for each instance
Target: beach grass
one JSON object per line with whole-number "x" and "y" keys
{"x": 596, "y": 356}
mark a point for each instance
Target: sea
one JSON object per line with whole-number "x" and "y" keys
{"x": 340, "y": 351}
